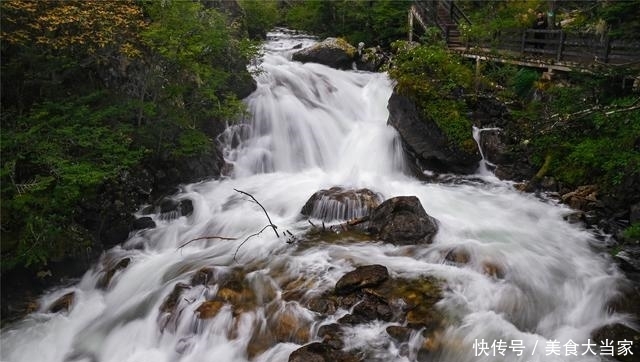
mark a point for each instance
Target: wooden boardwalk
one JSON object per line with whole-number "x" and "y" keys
{"x": 547, "y": 49}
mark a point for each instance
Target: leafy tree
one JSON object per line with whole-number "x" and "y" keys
{"x": 261, "y": 16}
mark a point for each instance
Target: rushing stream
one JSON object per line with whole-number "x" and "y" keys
{"x": 313, "y": 128}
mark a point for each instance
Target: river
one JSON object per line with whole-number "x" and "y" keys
{"x": 312, "y": 128}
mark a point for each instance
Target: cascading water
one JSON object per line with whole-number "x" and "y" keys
{"x": 312, "y": 128}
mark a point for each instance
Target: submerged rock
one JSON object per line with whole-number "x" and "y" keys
{"x": 62, "y": 304}
{"x": 403, "y": 221}
{"x": 110, "y": 271}
{"x": 209, "y": 309}
{"x": 338, "y": 203}
{"x": 333, "y": 52}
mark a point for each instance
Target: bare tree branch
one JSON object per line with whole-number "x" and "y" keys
{"x": 245, "y": 240}
{"x": 206, "y": 238}
{"x": 274, "y": 227}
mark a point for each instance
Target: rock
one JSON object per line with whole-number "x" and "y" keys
{"x": 62, "y": 304}
{"x": 209, "y": 309}
{"x": 426, "y": 142}
{"x": 173, "y": 299}
{"x": 628, "y": 257}
{"x": 584, "y": 198}
{"x": 371, "y": 59}
{"x": 458, "y": 255}
{"x": 618, "y": 332}
{"x": 322, "y": 305}
{"x": 144, "y": 222}
{"x": 399, "y": 334}
{"x": 288, "y": 326}
{"x": 338, "y": 203}
{"x": 321, "y": 352}
{"x": 331, "y": 334}
{"x": 111, "y": 271}
{"x": 170, "y": 208}
{"x": 493, "y": 269}
{"x": 203, "y": 276}
{"x": 373, "y": 308}
{"x": 333, "y": 52}
{"x": 361, "y": 277}
{"x": 403, "y": 221}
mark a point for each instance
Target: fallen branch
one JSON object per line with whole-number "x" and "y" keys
{"x": 274, "y": 227}
{"x": 245, "y": 240}
{"x": 206, "y": 238}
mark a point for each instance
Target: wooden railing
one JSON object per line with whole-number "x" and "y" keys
{"x": 455, "y": 12}
{"x": 546, "y": 45}
{"x": 560, "y": 45}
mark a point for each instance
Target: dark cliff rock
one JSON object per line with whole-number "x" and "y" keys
{"x": 425, "y": 141}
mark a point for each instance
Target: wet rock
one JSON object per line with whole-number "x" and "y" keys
{"x": 209, "y": 309}
{"x": 373, "y": 308}
{"x": 426, "y": 142}
{"x": 144, "y": 222}
{"x": 399, "y": 334}
{"x": 338, "y": 203}
{"x": 584, "y": 198}
{"x": 333, "y": 52}
{"x": 617, "y": 333}
{"x": 62, "y": 304}
{"x": 173, "y": 299}
{"x": 402, "y": 221}
{"x": 628, "y": 257}
{"x": 111, "y": 272}
{"x": 287, "y": 326}
{"x": 361, "y": 277}
{"x": 203, "y": 276}
{"x": 321, "y": 352}
{"x": 331, "y": 334}
{"x": 170, "y": 208}
{"x": 458, "y": 255}
{"x": 493, "y": 269}
{"x": 322, "y": 305}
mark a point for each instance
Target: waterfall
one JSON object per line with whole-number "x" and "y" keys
{"x": 314, "y": 128}
{"x": 484, "y": 165}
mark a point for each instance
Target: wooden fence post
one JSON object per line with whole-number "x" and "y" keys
{"x": 560, "y": 46}
{"x": 411, "y": 24}
{"x": 607, "y": 48}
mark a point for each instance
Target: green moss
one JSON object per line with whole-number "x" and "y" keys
{"x": 632, "y": 232}
{"x": 434, "y": 79}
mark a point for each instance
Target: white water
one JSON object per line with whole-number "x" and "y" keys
{"x": 314, "y": 128}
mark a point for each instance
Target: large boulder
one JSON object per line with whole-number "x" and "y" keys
{"x": 426, "y": 142}
{"x": 403, "y": 221}
{"x": 338, "y": 203}
{"x": 333, "y": 52}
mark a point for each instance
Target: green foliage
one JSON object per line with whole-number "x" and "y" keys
{"x": 52, "y": 157}
{"x": 632, "y": 232}
{"x": 87, "y": 99}
{"x": 435, "y": 79}
{"x": 523, "y": 82}
{"x": 261, "y": 16}
{"x": 372, "y": 22}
